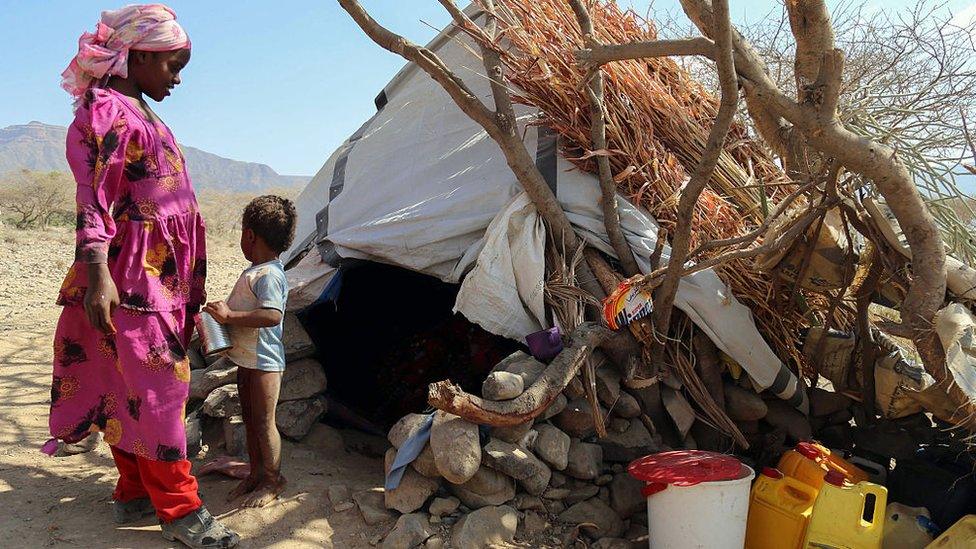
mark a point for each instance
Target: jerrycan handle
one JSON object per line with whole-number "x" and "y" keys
{"x": 873, "y": 503}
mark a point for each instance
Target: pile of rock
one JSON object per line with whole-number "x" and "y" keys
{"x": 214, "y": 410}
{"x": 529, "y": 477}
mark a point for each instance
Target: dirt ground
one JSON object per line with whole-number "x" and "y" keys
{"x": 67, "y": 501}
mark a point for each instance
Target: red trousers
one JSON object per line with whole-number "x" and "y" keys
{"x": 168, "y": 484}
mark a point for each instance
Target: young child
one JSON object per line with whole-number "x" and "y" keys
{"x": 254, "y": 312}
{"x": 120, "y": 362}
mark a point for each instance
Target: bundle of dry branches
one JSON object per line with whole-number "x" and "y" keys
{"x": 657, "y": 123}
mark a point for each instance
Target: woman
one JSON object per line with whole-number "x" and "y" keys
{"x": 120, "y": 364}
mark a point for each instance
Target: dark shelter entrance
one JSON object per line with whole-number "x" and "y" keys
{"x": 388, "y": 334}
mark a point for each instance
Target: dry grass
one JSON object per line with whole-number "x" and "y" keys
{"x": 658, "y": 120}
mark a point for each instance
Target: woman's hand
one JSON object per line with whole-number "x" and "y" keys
{"x": 218, "y": 310}
{"x": 101, "y": 298}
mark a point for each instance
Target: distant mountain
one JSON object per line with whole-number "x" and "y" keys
{"x": 37, "y": 146}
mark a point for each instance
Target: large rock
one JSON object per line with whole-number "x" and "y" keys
{"x": 585, "y": 460}
{"x": 743, "y": 404}
{"x": 456, "y": 446}
{"x": 627, "y": 406}
{"x": 582, "y": 492}
{"x": 295, "y": 339}
{"x": 413, "y": 491}
{"x": 502, "y": 386}
{"x": 523, "y": 365}
{"x": 235, "y": 436}
{"x": 197, "y": 360}
{"x": 597, "y": 512}
{"x": 194, "y": 434}
{"x": 404, "y": 429}
{"x": 558, "y": 405}
{"x": 519, "y": 464}
{"x": 370, "y": 503}
{"x": 552, "y": 445}
{"x": 786, "y": 418}
{"x": 485, "y": 527}
{"x": 295, "y": 418}
{"x": 222, "y": 402}
{"x": 443, "y": 506}
{"x": 513, "y": 434}
{"x": 510, "y": 459}
{"x": 486, "y": 487}
{"x": 608, "y": 385}
{"x": 629, "y": 445}
{"x": 410, "y": 531}
{"x": 302, "y": 379}
{"x": 203, "y": 381}
{"x": 625, "y": 495}
{"x": 577, "y": 418}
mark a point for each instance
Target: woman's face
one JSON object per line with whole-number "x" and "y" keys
{"x": 156, "y": 73}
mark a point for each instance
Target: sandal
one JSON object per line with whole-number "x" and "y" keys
{"x": 200, "y": 530}
{"x": 126, "y": 512}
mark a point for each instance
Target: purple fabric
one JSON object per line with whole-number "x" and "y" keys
{"x": 545, "y": 345}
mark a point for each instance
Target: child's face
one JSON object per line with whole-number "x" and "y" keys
{"x": 156, "y": 73}
{"x": 249, "y": 241}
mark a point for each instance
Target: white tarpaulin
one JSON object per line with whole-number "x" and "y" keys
{"x": 423, "y": 187}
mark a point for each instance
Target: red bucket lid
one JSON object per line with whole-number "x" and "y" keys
{"x": 686, "y": 467}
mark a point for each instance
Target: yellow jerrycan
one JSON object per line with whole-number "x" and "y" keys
{"x": 961, "y": 535}
{"x": 809, "y": 461}
{"x": 779, "y": 509}
{"x": 847, "y": 516}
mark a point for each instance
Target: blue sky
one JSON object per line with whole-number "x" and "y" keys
{"x": 279, "y": 82}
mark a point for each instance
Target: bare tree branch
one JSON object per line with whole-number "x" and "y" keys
{"x": 601, "y": 54}
{"x": 876, "y": 162}
{"x": 681, "y": 240}
{"x": 598, "y": 134}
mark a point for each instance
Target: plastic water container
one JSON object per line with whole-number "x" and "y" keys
{"x": 849, "y": 516}
{"x": 906, "y": 527}
{"x": 961, "y": 535}
{"x": 876, "y": 472}
{"x": 695, "y": 499}
{"x": 809, "y": 462}
{"x": 779, "y": 510}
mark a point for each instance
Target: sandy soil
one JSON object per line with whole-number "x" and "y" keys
{"x": 67, "y": 501}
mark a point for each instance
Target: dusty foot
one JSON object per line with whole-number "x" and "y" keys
{"x": 246, "y": 486}
{"x": 265, "y": 492}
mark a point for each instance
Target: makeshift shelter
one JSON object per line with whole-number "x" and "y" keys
{"x": 422, "y": 187}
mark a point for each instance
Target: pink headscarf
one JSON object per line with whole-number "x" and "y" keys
{"x": 150, "y": 27}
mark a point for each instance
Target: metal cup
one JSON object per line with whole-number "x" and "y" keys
{"x": 214, "y": 336}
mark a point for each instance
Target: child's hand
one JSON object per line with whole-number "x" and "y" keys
{"x": 218, "y": 310}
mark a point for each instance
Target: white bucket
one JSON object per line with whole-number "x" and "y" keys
{"x": 709, "y": 515}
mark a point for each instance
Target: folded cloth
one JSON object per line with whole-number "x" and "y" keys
{"x": 408, "y": 452}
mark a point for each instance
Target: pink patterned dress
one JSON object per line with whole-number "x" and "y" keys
{"x": 136, "y": 210}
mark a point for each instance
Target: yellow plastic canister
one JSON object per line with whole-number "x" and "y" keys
{"x": 847, "y": 516}
{"x": 809, "y": 462}
{"x": 961, "y": 535}
{"x": 779, "y": 509}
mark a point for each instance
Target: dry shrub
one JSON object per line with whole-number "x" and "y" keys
{"x": 30, "y": 199}
{"x": 222, "y": 209}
